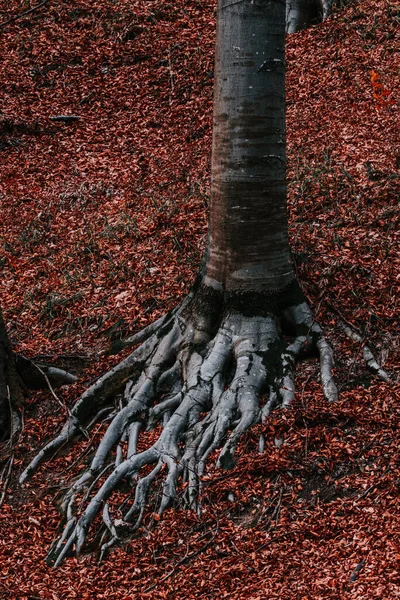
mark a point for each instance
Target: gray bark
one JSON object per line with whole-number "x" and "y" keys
{"x": 300, "y": 14}
{"x": 10, "y": 390}
{"x": 248, "y": 240}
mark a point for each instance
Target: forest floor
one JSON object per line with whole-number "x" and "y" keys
{"x": 102, "y": 225}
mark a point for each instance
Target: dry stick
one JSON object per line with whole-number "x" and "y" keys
{"x": 277, "y": 510}
{"x": 271, "y": 503}
{"x": 373, "y": 486}
{"x": 183, "y": 560}
{"x": 342, "y": 317}
{"x": 62, "y": 404}
{"x": 171, "y": 76}
{"x": 7, "y": 479}
{"x": 353, "y": 333}
{"x": 23, "y": 14}
{"x": 369, "y": 358}
{"x": 11, "y": 459}
{"x": 356, "y": 570}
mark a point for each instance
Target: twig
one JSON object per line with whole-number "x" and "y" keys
{"x": 23, "y": 14}
{"x": 65, "y": 118}
{"x": 354, "y": 334}
{"x": 86, "y": 98}
{"x": 356, "y": 570}
{"x": 277, "y": 509}
{"x": 366, "y": 492}
{"x": 62, "y": 404}
{"x": 373, "y": 486}
{"x": 8, "y": 467}
{"x": 343, "y": 318}
{"x": 183, "y": 560}
{"x": 171, "y": 76}
{"x": 369, "y": 358}
{"x": 7, "y": 478}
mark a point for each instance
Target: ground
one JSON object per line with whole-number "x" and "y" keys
{"x": 110, "y": 228}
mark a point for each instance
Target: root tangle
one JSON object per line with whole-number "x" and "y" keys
{"x": 201, "y": 379}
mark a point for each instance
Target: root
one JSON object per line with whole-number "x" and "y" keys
{"x": 369, "y": 358}
{"x": 203, "y": 384}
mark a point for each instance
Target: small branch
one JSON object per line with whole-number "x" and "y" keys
{"x": 373, "y": 486}
{"x": 65, "y": 118}
{"x": 8, "y": 468}
{"x": 183, "y": 560}
{"x": 86, "y": 98}
{"x": 343, "y": 318}
{"x": 23, "y": 14}
{"x": 356, "y": 570}
{"x": 369, "y": 358}
{"x": 62, "y": 404}
{"x": 171, "y": 76}
{"x": 7, "y": 478}
{"x": 277, "y": 509}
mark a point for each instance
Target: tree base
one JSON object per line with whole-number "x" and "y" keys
{"x": 201, "y": 372}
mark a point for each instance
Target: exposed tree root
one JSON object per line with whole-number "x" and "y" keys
{"x": 200, "y": 373}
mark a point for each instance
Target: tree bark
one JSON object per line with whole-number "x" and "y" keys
{"x": 248, "y": 247}
{"x": 300, "y": 14}
{"x": 11, "y": 394}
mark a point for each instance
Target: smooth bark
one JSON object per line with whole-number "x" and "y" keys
{"x": 248, "y": 239}
{"x": 300, "y": 14}
{"x": 10, "y": 389}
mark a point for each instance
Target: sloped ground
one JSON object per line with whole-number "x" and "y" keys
{"x": 102, "y": 226}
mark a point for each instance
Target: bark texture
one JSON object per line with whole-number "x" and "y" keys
{"x": 248, "y": 248}
{"x": 11, "y": 394}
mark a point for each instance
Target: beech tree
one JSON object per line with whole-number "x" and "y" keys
{"x": 10, "y": 387}
{"x": 17, "y": 373}
{"x": 224, "y": 358}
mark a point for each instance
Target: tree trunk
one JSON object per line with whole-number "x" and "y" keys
{"x": 10, "y": 389}
{"x": 300, "y": 14}
{"x": 249, "y": 249}
{"x": 218, "y": 363}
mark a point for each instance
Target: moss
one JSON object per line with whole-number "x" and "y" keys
{"x": 272, "y": 359}
{"x": 254, "y": 303}
{"x": 227, "y": 461}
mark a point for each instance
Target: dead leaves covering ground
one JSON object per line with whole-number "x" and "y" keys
{"x": 102, "y": 225}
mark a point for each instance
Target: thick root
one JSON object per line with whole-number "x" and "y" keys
{"x": 204, "y": 385}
